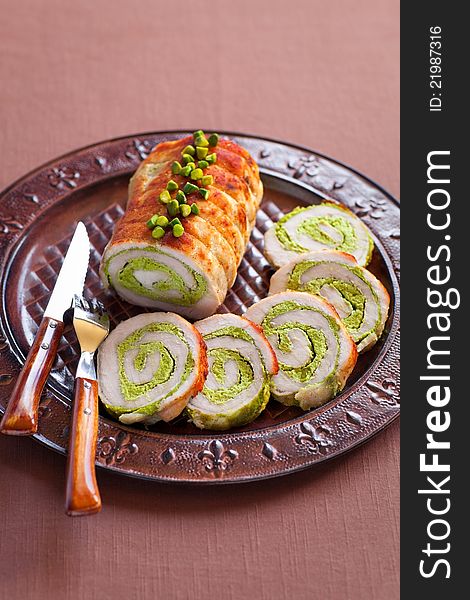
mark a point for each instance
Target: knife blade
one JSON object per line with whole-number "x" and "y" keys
{"x": 21, "y": 414}
{"x": 71, "y": 278}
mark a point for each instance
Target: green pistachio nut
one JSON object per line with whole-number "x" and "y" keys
{"x": 171, "y": 186}
{"x": 181, "y": 197}
{"x": 173, "y": 208}
{"x": 207, "y": 180}
{"x": 178, "y": 230}
{"x": 189, "y": 150}
{"x": 196, "y": 174}
{"x": 201, "y": 152}
{"x": 185, "y": 210}
{"x": 162, "y": 221}
{"x": 165, "y": 197}
{"x": 158, "y": 232}
{"x": 176, "y": 168}
{"x": 189, "y": 188}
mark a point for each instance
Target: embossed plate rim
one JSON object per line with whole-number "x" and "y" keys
{"x": 209, "y": 460}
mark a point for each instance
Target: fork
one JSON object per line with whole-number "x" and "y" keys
{"x": 91, "y": 324}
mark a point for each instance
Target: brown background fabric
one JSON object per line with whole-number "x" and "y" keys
{"x": 319, "y": 73}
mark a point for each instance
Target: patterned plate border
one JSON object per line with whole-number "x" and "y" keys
{"x": 368, "y": 406}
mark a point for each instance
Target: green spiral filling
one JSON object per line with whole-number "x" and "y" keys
{"x": 145, "y": 350}
{"x": 318, "y": 346}
{"x": 173, "y": 282}
{"x": 220, "y": 396}
{"x": 221, "y": 356}
{"x": 230, "y": 331}
{"x": 350, "y": 293}
{"x": 245, "y": 375}
{"x": 311, "y": 227}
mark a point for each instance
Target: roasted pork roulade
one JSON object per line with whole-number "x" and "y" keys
{"x": 315, "y": 352}
{"x": 325, "y": 226}
{"x": 241, "y": 364}
{"x": 192, "y": 206}
{"x": 149, "y": 367}
{"x": 359, "y": 298}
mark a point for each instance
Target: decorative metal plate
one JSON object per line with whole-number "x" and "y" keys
{"x": 37, "y": 216}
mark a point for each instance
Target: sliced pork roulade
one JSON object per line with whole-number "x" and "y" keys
{"x": 315, "y": 352}
{"x": 191, "y": 209}
{"x": 150, "y": 366}
{"x": 241, "y": 363}
{"x": 322, "y": 226}
{"x": 359, "y": 298}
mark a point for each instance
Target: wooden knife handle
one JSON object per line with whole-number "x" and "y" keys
{"x": 21, "y": 414}
{"x": 82, "y": 494}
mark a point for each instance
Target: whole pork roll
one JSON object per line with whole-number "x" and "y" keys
{"x": 190, "y": 274}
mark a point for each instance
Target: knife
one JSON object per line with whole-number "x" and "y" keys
{"x": 21, "y": 414}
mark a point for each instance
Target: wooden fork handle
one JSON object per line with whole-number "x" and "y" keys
{"x": 82, "y": 494}
{"x": 21, "y": 414}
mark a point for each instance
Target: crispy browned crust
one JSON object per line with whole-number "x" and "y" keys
{"x": 242, "y": 152}
{"x": 168, "y": 151}
{"x": 235, "y": 172}
{"x": 232, "y": 157}
{"x": 180, "y": 403}
{"x": 209, "y": 235}
{"x": 249, "y": 169}
{"x": 233, "y": 209}
{"x": 234, "y": 186}
{"x": 214, "y": 215}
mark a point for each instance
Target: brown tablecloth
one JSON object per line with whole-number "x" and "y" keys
{"x": 318, "y": 73}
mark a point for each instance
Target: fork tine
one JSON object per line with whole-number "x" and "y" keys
{"x": 97, "y": 306}
{"x": 77, "y": 301}
{"x": 87, "y": 305}
{"x": 92, "y": 310}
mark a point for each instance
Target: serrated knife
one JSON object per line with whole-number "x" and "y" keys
{"x": 21, "y": 414}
